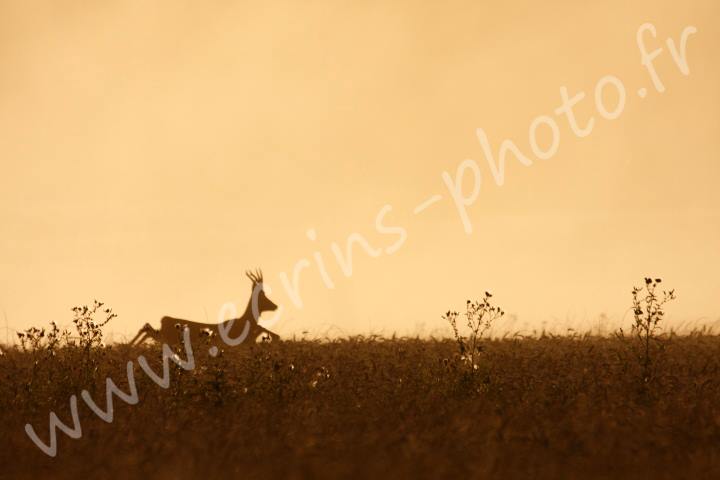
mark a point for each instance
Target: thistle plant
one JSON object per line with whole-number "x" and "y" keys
{"x": 89, "y": 328}
{"x": 31, "y": 339}
{"x": 648, "y": 310}
{"x": 479, "y": 317}
{"x": 88, "y": 324}
{"x": 36, "y": 339}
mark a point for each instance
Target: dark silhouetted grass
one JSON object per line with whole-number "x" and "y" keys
{"x": 553, "y": 407}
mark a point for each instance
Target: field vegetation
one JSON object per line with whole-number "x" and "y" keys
{"x": 641, "y": 405}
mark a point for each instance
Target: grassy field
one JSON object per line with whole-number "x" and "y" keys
{"x": 553, "y": 407}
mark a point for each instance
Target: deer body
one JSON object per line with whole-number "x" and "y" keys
{"x": 171, "y": 328}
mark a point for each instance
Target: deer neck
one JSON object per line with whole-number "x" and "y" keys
{"x": 248, "y": 315}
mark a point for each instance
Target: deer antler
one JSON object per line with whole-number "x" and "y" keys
{"x": 255, "y": 276}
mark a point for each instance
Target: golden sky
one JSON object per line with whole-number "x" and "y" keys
{"x": 151, "y": 154}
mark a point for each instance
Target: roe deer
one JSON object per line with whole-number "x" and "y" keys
{"x": 239, "y": 329}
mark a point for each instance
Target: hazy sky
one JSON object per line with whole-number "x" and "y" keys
{"x": 151, "y": 154}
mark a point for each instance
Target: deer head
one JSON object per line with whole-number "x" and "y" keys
{"x": 259, "y": 303}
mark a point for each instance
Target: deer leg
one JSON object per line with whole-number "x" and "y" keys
{"x": 139, "y": 334}
{"x": 142, "y": 339}
{"x": 274, "y": 336}
{"x": 145, "y": 332}
{"x": 153, "y": 334}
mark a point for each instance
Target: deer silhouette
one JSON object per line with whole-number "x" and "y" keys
{"x": 245, "y": 327}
